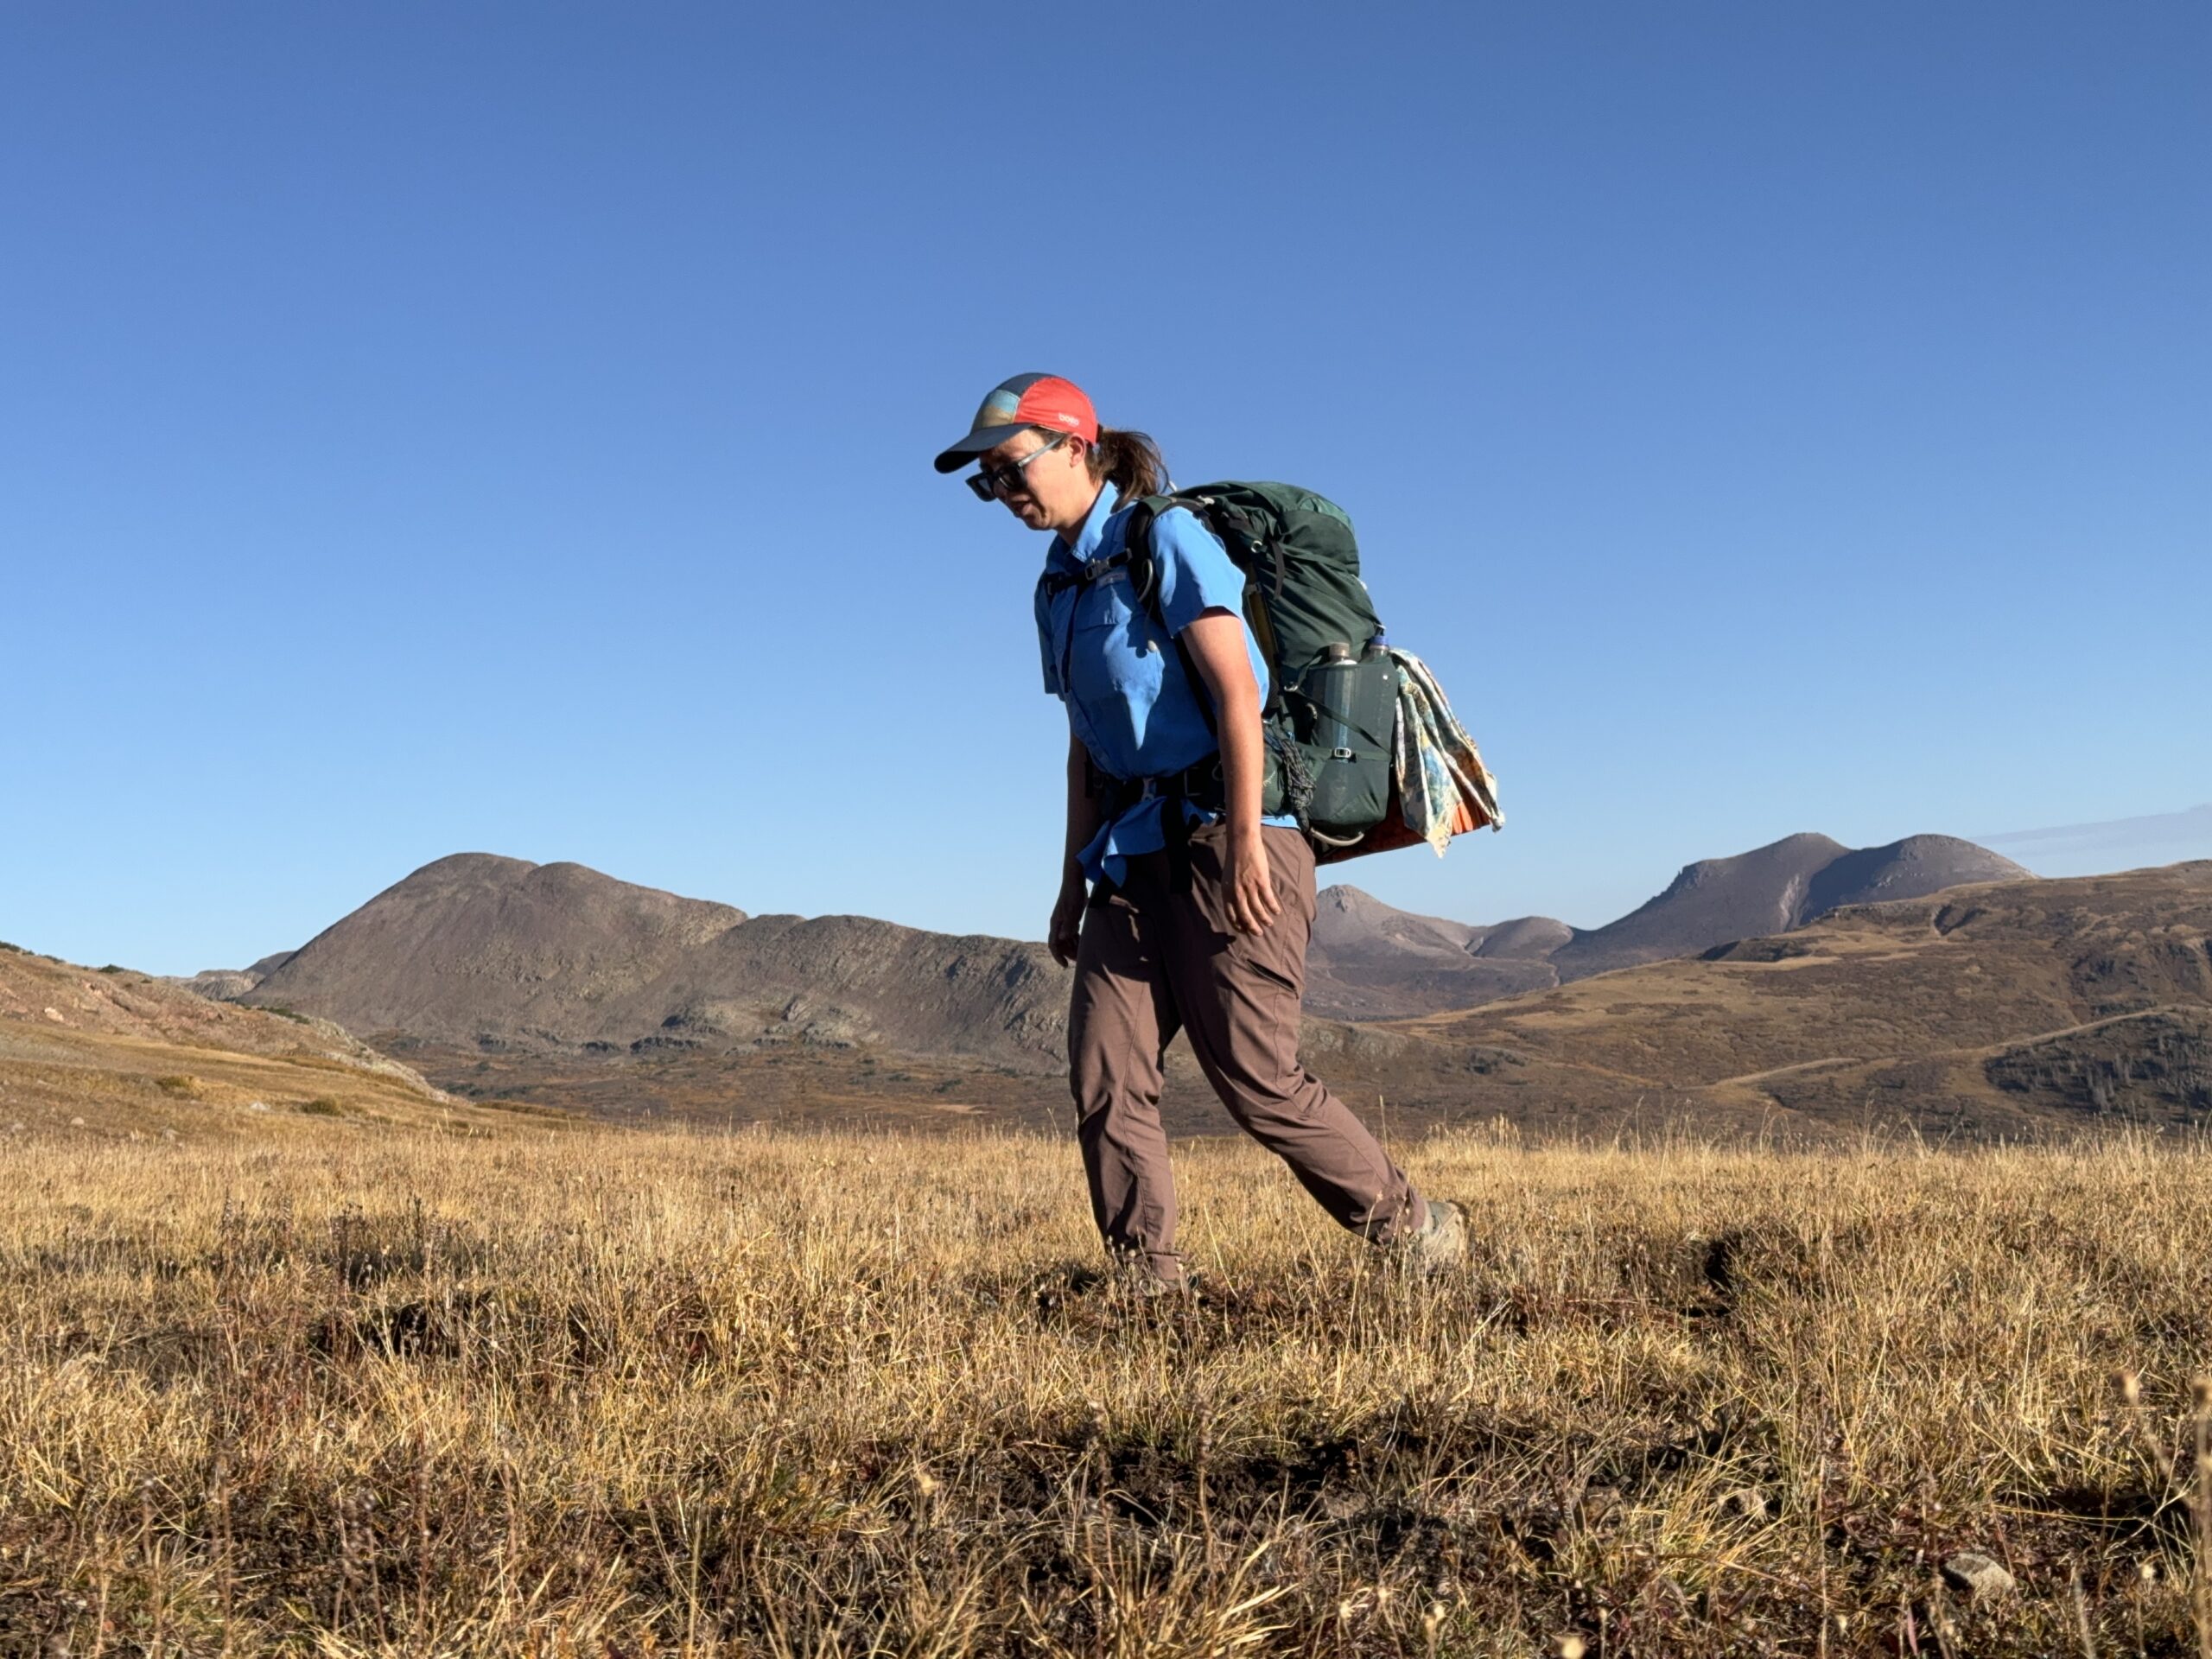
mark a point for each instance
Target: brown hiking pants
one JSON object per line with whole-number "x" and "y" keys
{"x": 1152, "y": 960}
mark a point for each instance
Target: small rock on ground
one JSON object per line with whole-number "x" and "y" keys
{"x": 1979, "y": 1575}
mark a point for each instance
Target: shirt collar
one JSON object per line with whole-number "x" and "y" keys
{"x": 1093, "y": 532}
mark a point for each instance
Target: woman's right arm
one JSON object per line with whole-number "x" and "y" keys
{"x": 1083, "y": 823}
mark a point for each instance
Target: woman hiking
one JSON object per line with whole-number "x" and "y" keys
{"x": 1181, "y": 906}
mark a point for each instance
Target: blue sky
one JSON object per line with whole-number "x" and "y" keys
{"x": 428, "y": 428}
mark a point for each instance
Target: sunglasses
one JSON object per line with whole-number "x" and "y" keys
{"x": 993, "y": 481}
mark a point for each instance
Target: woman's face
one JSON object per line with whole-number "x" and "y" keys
{"x": 1042, "y": 478}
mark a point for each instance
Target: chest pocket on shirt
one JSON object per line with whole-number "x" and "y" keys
{"x": 1111, "y": 648}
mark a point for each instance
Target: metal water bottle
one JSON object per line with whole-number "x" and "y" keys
{"x": 1329, "y": 686}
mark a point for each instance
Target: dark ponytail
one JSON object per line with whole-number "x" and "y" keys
{"x": 1130, "y": 462}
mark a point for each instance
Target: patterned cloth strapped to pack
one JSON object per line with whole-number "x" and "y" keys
{"x": 1443, "y": 786}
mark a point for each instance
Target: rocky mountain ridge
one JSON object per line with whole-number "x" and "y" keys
{"x": 490, "y": 953}
{"x": 2019, "y": 1006}
{"x": 1370, "y": 962}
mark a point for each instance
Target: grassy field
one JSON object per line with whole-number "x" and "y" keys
{"x": 609, "y": 1392}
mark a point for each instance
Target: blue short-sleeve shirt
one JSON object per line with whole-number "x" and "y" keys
{"x": 1128, "y": 698}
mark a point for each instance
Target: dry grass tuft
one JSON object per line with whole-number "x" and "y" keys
{"x": 606, "y": 1393}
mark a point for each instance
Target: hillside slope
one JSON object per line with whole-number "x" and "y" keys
{"x": 113, "y": 1054}
{"x": 1772, "y": 889}
{"x": 496, "y": 953}
{"x": 1370, "y": 962}
{"x": 2018, "y": 1007}
{"x": 2002, "y": 1007}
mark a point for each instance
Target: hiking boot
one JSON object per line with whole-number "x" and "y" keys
{"x": 1441, "y": 1244}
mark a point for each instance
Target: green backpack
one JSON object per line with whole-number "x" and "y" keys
{"x": 1332, "y": 690}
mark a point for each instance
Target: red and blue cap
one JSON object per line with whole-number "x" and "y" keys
{"x": 1026, "y": 400}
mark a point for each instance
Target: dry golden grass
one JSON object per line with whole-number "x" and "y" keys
{"x": 107, "y": 1054}
{"x": 105, "y": 1087}
{"x": 789, "y": 1394}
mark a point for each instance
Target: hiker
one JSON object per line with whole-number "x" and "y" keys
{"x": 1181, "y": 906}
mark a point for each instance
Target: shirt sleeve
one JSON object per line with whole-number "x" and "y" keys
{"x": 1196, "y": 573}
{"x": 1044, "y": 608}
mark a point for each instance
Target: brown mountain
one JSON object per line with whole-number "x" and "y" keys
{"x": 2006, "y": 1008}
{"x": 1371, "y": 961}
{"x": 2015, "y": 1009}
{"x": 1992, "y": 1008}
{"x": 482, "y": 954}
{"x": 228, "y": 984}
{"x": 1368, "y": 961}
{"x": 1526, "y": 938}
{"x": 492, "y": 953}
{"x": 1772, "y": 889}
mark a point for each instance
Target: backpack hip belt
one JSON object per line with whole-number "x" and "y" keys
{"x": 1201, "y": 784}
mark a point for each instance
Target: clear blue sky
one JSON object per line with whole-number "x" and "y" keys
{"x": 505, "y": 428}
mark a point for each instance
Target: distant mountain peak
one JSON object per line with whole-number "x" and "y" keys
{"x": 475, "y": 949}
{"x": 1368, "y": 956}
{"x": 471, "y": 866}
{"x": 1910, "y": 869}
{"x": 1807, "y": 847}
{"x": 1346, "y": 899}
{"x": 1774, "y": 889}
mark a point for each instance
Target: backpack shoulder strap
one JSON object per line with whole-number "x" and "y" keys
{"x": 1253, "y": 547}
{"x": 1136, "y": 543}
{"x": 1144, "y": 581}
{"x": 1136, "y": 552}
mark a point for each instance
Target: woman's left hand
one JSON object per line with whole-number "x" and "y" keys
{"x": 1253, "y": 906}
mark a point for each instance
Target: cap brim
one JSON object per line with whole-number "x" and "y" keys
{"x": 982, "y": 438}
